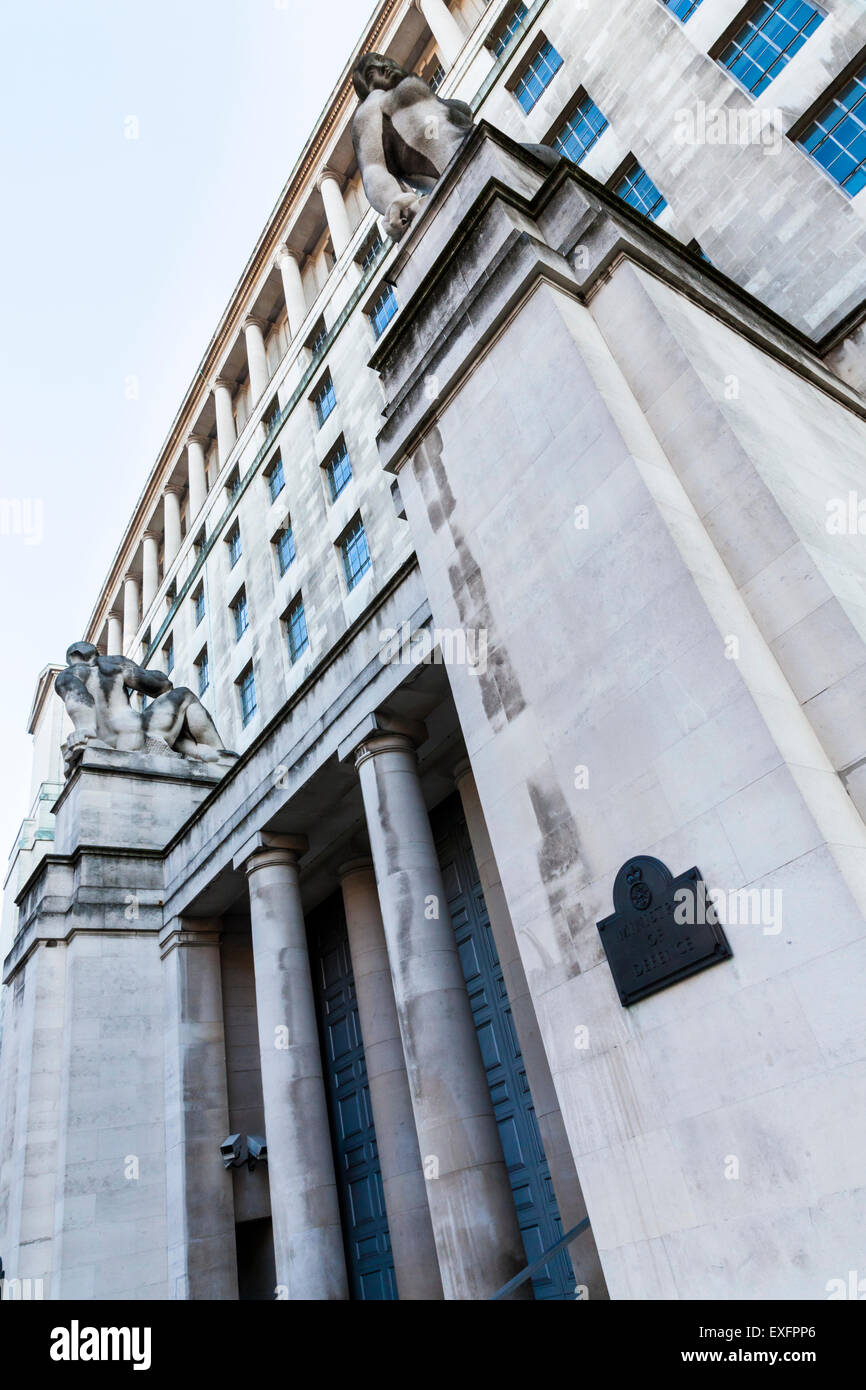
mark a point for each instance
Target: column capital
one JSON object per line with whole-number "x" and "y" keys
{"x": 380, "y": 724}
{"x": 255, "y": 321}
{"x": 173, "y": 489}
{"x": 196, "y": 438}
{"x": 265, "y": 848}
{"x": 354, "y": 866}
{"x": 130, "y": 578}
{"x": 329, "y": 173}
{"x": 224, "y": 382}
{"x": 189, "y": 931}
{"x": 289, "y": 251}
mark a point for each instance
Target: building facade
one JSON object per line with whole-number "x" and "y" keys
{"x": 501, "y": 554}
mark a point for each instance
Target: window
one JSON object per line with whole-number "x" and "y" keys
{"x": 317, "y": 339}
{"x": 768, "y": 39}
{"x": 837, "y": 135}
{"x": 580, "y": 130}
{"x": 296, "y": 630}
{"x": 284, "y": 545}
{"x": 276, "y": 479}
{"x": 437, "y": 78}
{"x": 502, "y": 36}
{"x": 272, "y": 417}
{"x": 355, "y": 552}
{"x": 339, "y": 470}
{"x": 168, "y": 654}
{"x": 233, "y": 541}
{"x": 240, "y": 614}
{"x": 638, "y": 190}
{"x": 198, "y": 604}
{"x": 233, "y": 484}
{"x": 371, "y": 251}
{"x": 247, "y": 691}
{"x": 538, "y": 75}
{"x": 383, "y": 311}
{"x": 324, "y": 400}
{"x": 201, "y": 667}
{"x": 683, "y": 9}
{"x": 199, "y": 542}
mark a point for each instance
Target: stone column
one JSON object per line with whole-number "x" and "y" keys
{"x": 330, "y": 186}
{"x": 308, "y": 1243}
{"x": 130, "y": 610}
{"x": 202, "y": 1260}
{"x": 171, "y": 508}
{"x": 471, "y": 1205}
{"x": 197, "y": 473}
{"x": 293, "y": 289}
{"x": 226, "y": 433}
{"x": 115, "y": 635}
{"x": 566, "y": 1185}
{"x": 149, "y": 568}
{"x": 257, "y": 358}
{"x": 414, "y": 1249}
{"x": 444, "y": 28}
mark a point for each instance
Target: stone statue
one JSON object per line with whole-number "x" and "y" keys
{"x": 405, "y": 137}
{"x": 95, "y": 690}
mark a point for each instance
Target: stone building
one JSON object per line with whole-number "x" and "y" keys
{"x": 503, "y": 556}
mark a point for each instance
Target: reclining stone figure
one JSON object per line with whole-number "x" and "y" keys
{"x": 405, "y": 137}
{"x": 95, "y": 690}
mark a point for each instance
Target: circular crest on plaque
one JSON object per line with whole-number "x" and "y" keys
{"x": 639, "y": 892}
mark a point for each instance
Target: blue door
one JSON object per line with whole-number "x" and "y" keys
{"x": 534, "y": 1198}
{"x": 359, "y": 1181}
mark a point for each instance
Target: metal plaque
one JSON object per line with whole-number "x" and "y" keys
{"x": 663, "y": 929}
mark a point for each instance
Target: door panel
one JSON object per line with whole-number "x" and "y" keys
{"x": 531, "y": 1185}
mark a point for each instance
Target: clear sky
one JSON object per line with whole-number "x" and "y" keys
{"x": 118, "y": 257}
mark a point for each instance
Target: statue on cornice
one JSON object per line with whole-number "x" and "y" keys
{"x": 405, "y": 136}
{"x": 96, "y": 689}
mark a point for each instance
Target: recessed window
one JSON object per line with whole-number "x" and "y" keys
{"x": 338, "y": 470}
{"x": 276, "y": 479}
{"x": 168, "y": 656}
{"x": 767, "y": 41}
{"x": 272, "y": 417}
{"x": 538, "y": 74}
{"x": 371, "y": 251}
{"x": 638, "y": 190}
{"x": 198, "y": 604}
{"x": 501, "y": 37}
{"x": 240, "y": 614}
{"x": 199, "y": 542}
{"x": 579, "y": 132}
{"x": 837, "y": 135}
{"x": 683, "y": 9}
{"x": 233, "y": 484}
{"x": 437, "y": 78}
{"x": 296, "y": 630}
{"x": 355, "y": 552}
{"x": 284, "y": 545}
{"x": 383, "y": 310}
{"x": 247, "y": 692}
{"x": 318, "y": 339}
{"x": 233, "y": 541}
{"x": 324, "y": 400}
{"x": 203, "y": 672}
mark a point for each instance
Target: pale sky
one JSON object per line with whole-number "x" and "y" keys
{"x": 118, "y": 257}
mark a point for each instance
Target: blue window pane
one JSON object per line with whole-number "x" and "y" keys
{"x": 285, "y": 544}
{"x": 506, "y": 33}
{"x": 580, "y": 132}
{"x": 169, "y": 656}
{"x": 770, "y": 37}
{"x": 383, "y": 311}
{"x": 234, "y": 544}
{"x": 248, "y": 696}
{"x": 837, "y": 137}
{"x": 325, "y": 401}
{"x": 276, "y": 480}
{"x": 296, "y": 630}
{"x": 273, "y": 419}
{"x": 638, "y": 190}
{"x": 540, "y": 73}
{"x": 203, "y": 674}
{"x": 356, "y": 553}
{"x": 683, "y": 9}
{"x": 339, "y": 471}
{"x": 241, "y": 617}
{"x": 199, "y": 606}
{"x": 372, "y": 252}
{"x": 437, "y": 79}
